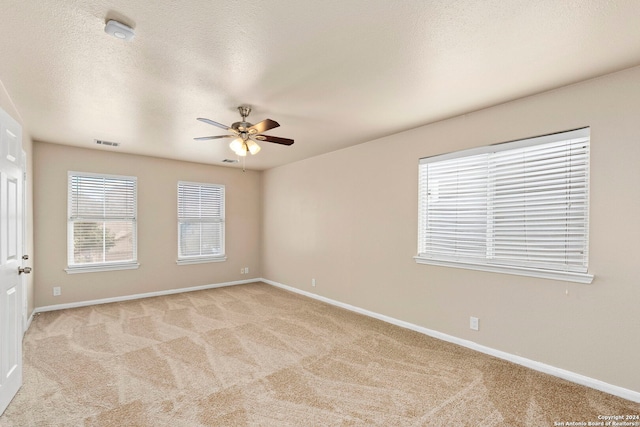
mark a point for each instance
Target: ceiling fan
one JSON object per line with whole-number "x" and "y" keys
{"x": 246, "y": 134}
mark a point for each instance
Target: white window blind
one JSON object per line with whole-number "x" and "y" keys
{"x": 102, "y": 221}
{"x": 521, "y": 206}
{"x": 200, "y": 222}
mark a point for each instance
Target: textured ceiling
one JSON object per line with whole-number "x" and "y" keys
{"x": 333, "y": 73}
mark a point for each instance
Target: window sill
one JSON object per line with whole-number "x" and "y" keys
{"x": 520, "y": 271}
{"x": 200, "y": 260}
{"x": 103, "y": 267}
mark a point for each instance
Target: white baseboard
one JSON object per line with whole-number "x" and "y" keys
{"x": 532, "y": 364}
{"x": 29, "y": 320}
{"x": 139, "y": 296}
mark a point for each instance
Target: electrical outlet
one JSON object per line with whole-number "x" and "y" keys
{"x": 246, "y": 270}
{"x": 313, "y": 282}
{"x": 474, "y": 323}
{"x": 56, "y": 291}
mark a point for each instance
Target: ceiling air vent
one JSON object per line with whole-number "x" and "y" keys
{"x": 107, "y": 143}
{"x": 229, "y": 161}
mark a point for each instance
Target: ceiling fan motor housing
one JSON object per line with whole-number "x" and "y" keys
{"x": 241, "y": 126}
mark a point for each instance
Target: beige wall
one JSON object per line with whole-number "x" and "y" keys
{"x": 349, "y": 220}
{"x": 157, "y": 224}
{"x": 27, "y": 145}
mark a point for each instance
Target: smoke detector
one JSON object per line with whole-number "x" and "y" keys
{"x": 119, "y": 30}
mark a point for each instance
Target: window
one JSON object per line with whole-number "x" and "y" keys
{"x": 518, "y": 207}
{"x": 200, "y": 223}
{"x": 101, "y": 228}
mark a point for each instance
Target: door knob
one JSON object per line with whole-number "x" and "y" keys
{"x": 25, "y": 270}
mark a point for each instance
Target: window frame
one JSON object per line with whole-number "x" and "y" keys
{"x": 200, "y": 259}
{"x": 105, "y": 265}
{"x": 483, "y": 264}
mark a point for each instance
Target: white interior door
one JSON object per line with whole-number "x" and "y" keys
{"x": 11, "y": 251}
{"x": 25, "y": 248}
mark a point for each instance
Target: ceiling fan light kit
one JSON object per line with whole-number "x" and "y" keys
{"x": 246, "y": 134}
{"x": 241, "y": 147}
{"x": 237, "y": 146}
{"x": 252, "y": 146}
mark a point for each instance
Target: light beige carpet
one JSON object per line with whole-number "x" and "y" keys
{"x": 258, "y": 355}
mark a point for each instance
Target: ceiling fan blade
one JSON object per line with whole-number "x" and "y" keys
{"x": 264, "y": 126}
{"x": 204, "y": 138}
{"x": 211, "y": 122}
{"x": 276, "y": 139}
